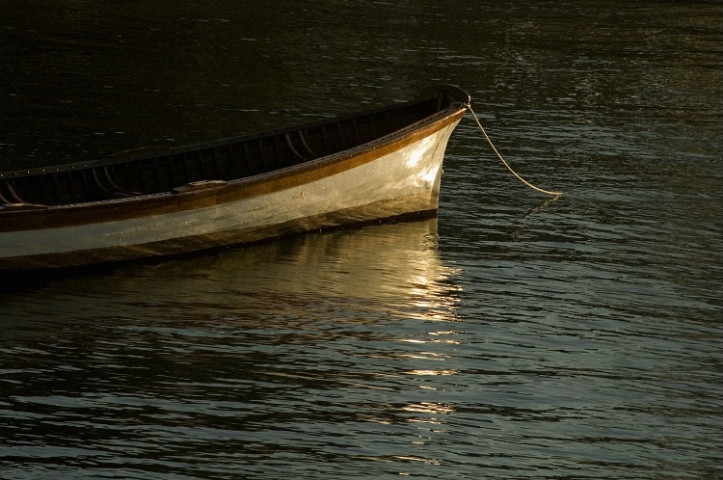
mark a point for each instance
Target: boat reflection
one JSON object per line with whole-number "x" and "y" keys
{"x": 366, "y": 275}
{"x": 364, "y": 322}
{"x": 371, "y": 274}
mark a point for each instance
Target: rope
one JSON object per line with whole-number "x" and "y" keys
{"x": 494, "y": 149}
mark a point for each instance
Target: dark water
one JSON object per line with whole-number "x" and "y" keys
{"x": 513, "y": 338}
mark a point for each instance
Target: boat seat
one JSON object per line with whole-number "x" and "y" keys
{"x": 199, "y": 185}
{"x": 22, "y": 206}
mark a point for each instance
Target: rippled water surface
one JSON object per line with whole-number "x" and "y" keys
{"x": 514, "y": 337}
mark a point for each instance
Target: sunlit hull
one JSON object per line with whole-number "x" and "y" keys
{"x": 397, "y": 174}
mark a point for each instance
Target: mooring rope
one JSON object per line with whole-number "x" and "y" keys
{"x": 494, "y": 149}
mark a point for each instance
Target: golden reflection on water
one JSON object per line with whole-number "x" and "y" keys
{"x": 430, "y": 410}
{"x": 452, "y": 371}
{"x": 392, "y": 270}
{"x": 332, "y": 289}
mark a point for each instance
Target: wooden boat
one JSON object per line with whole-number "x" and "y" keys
{"x": 379, "y": 164}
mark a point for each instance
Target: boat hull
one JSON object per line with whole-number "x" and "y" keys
{"x": 393, "y": 177}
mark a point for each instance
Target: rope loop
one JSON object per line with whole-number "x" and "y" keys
{"x": 494, "y": 149}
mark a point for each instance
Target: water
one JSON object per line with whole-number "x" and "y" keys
{"x": 514, "y": 337}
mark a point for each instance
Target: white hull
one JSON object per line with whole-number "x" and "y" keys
{"x": 397, "y": 183}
